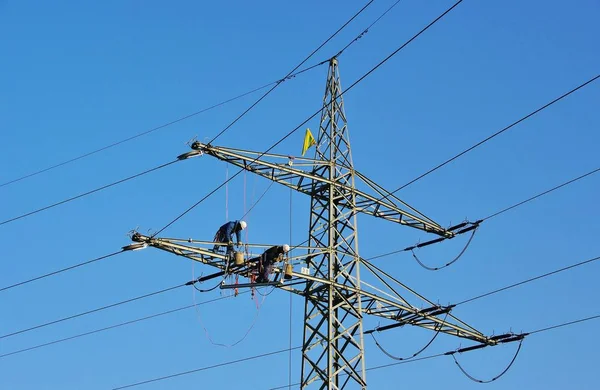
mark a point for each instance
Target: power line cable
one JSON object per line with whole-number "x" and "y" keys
{"x": 529, "y": 280}
{"x": 377, "y": 367}
{"x": 261, "y": 98}
{"x": 95, "y": 310}
{"x": 98, "y": 258}
{"x": 87, "y": 193}
{"x": 494, "y": 214}
{"x": 60, "y": 271}
{"x": 541, "y": 194}
{"x": 288, "y": 77}
{"x": 138, "y": 135}
{"x": 368, "y": 369}
{"x": 70, "y": 199}
{"x": 365, "y": 31}
{"x": 451, "y": 353}
{"x": 313, "y": 115}
{"x": 493, "y": 135}
{"x": 519, "y": 283}
{"x": 565, "y": 324}
{"x": 206, "y": 368}
{"x": 190, "y": 283}
{"x": 292, "y": 71}
{"x": 284, "y": 386}
{"x": 112, "y": 327}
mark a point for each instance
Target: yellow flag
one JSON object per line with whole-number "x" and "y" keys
{"x": 309, "y": 141}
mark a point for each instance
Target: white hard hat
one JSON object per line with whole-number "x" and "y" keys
{"x": 286, "y": 248}
{"x": 243, "y": 225}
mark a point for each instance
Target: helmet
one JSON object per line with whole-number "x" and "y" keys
{"x": 243, "y": 225}
{"x": 286, "y": 248}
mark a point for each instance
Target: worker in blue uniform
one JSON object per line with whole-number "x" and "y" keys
{"x": 225, "y": 234}
{"x": 267, "y": 259}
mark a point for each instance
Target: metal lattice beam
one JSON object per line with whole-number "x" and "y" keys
{"x": 391, "y": 300}
{"x": 308, "y": 177}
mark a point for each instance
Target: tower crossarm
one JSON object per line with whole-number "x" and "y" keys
{"x": 301, "y": 174}
{"x": 434, "y": 318}
{"x": 376, "y": 303}
{"x": 201, "y": 255}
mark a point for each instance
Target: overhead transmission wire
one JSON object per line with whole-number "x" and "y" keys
{"x": 254, "y": 357}
{"x": 422, "y": 358}
{"x": 320, "y": 63}
{"x": 459, "y": 303}
{"x": 111, "y": 327}
{"x": 292, "y": 71}
{"x": 366, "y": 30}
{"x": 274, "y": 83}
{"x": 131, "y": 177}
{"x": 524, "y": 334}
{"x": 60, "y": 271}
{"x": 95, "y": 310}
{"x": 580, "y": 86}
{"x": 500, "y": 290}
{"x": 452, "y": 353}
{"x": 289, "y": 76}
{"x": 87, "y": 193}
{"x": 245, "y": 292}
{"x": 135, "y": 136}
{"x": 541, "y": 194}
{"x": 258, "y": 356}
{"x": 314, "y": 114}
{"x": 192, "y": 282}
{"x": 565, "y": 324}
{"x": 529, "y": 280}
{"x": 502, "y": 211}
{"x": 149, "y": 131}
{"x": 189, "y": 306}
{"x": 485, "y": 295}
{"x": 475, "y": 146}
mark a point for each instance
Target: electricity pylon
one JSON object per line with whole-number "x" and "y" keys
{"x": 336, "y": 299}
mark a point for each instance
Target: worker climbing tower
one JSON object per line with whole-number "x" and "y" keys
{"x": 340, "y": 289}
{"x": 333, "y": 333}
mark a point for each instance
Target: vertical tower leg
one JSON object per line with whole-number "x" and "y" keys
{"x": 332, "y": 350}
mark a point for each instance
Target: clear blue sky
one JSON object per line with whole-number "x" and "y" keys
{"x": 78, "y": 75}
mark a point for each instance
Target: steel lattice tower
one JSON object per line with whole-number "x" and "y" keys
{"x": 336, "y": 299}
{"x": 333, "y": 332}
